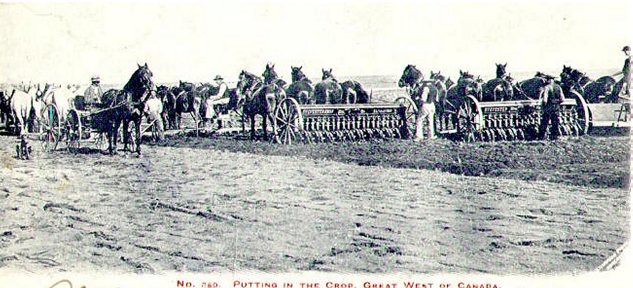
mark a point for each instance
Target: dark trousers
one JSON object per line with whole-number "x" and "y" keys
{"x": 550, "y": 115}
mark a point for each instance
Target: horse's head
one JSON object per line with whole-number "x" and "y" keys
{"x": 410, "y": 76}
{"x": 246, "y": 82}
{"x": 449, "y": 82}
{"x": 140, "y": 82}
{"x": 467, "y": 84}
{"x": 437, "y": 76}
{"x": 41, "y": 93}
{"x": 297, "y": 74}
{"x": 327, "y": 74}
{"x": 465, "y": 76}
{"x": 501, "y": 70}
{"x": 269, "y": 74}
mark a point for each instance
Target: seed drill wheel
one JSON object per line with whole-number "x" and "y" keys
{"x": 74, "y": 130}
{"x": 582, "y": 111}
{"x": 288, "y": 121}
{"x": 51, "y": 128}
{"x": 409, "y": 115}
{"x": 469, "y": 119}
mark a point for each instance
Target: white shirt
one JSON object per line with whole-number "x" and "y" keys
{"x": 154, "y": 105}
{"x": 222, "y": 89}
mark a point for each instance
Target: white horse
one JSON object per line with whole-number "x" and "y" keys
{"x": 21, "y": 105}
{"x": 27, "y": 107}
{"x": 62, "y": 98}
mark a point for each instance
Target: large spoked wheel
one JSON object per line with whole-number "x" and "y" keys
{"x": 288, "y": 121}
{"x": 469, "y": 119}
{"x": 73, "y": 130}
{"x": 407, "y": 129}
{"x": 582, "y": 110}
{"x": 51, "y": 128}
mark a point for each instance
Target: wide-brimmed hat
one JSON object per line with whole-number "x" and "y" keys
{"x": 218, "y": 77}
{"x": 95, "y": 79}
{"x": 626, "y": 48}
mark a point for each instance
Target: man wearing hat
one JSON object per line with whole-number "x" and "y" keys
{"x": 218, "y": 98}
{"x": 93, "y": 93}
{"x": 625, "y": 82}
{"x": 552, "y": 98}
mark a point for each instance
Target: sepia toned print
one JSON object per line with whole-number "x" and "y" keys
{"x": 361, "y": 141}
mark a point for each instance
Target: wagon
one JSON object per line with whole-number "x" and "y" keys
{"x": 82, "y": 124}
{"x": 613, "y": 115}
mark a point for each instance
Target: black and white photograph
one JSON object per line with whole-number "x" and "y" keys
{"x": 315, "y": 144}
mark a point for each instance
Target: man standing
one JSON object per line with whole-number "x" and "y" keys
{"x": 551, "y": 101}
{"x": 153, "y": 110}
{"x": 625, "y": 82}
{"x": 424, "y": 96}
{"x": 93, "y": 93}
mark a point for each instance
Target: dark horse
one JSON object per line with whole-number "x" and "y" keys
{"x": 301, "y": 88}
{"x": 601, "y": 90}
{"x": 169, "y": 106}
{"x": 328, "y": 91}
{"x": 258, "y": 99}
{"x": 354, "y": 93}
{"x": 126, "y": 106}
{"x": 498, "y": 89}
{"x": 532, "y": 88}
{"x": 271, "y": 77}
{"x": 6, "y": 114}
{"x": 439, "y": 77}
{"x": 188, "y": 100}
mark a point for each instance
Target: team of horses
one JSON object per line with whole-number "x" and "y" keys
{"x": 258, "y": 95}
{"x": 449, "y": 95}
{"x": 252, "y": 96}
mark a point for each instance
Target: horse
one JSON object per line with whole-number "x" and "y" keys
{"x": 259, "y": 99}
{"x": 353, "y": 92}
{"x": 26, "y": 108}
{"x": 466, "y": 86}
{"x": 531, "y": 88}
{"x": 498, "y": 89}
{"x": 301, "y": 88}
{"x": 6, "y": 114}
{"x": 592, "y": 91}
{"x": 126, "y": 106}
{"x": 271, "y": 77}
{"x": 328, "y": 91}
{"x": 446, "y": 81}
{"x": 169, "y": 106}
{"x": 187, "y": 101}
{"x": 62, "y": 98}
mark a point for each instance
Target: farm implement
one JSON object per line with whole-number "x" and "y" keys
{"x": 294, "y": 122}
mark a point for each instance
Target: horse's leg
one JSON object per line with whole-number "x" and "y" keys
{"x": 126, "y": 136}
{"x": 243, "y": 116}
{"x": 138, "y": 135}
{"x": 110, "y": 135}
{"x": 265, "y": 126}
{"x": 252, "y": 118}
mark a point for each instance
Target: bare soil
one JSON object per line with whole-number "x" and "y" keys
{"x": 205, "y": 205}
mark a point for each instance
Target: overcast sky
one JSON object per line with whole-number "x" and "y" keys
{"x": 194, "y": 41}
